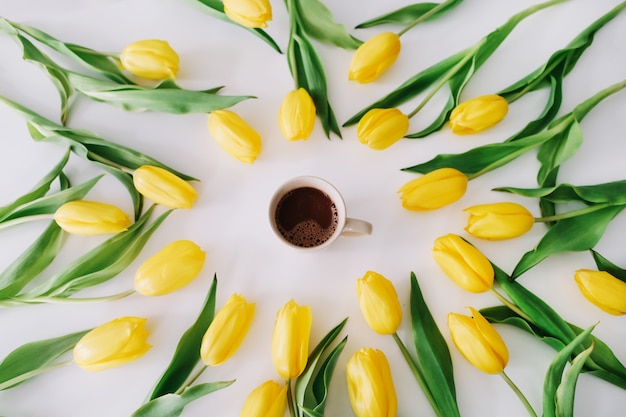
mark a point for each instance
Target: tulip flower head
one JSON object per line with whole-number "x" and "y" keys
{"x": 164, "y": 187}
{"x": 227, "y": 330}
{"x": 478, "y": 114}
{"x": 602, "y": 289}
{"x": 381, "y": 128}
{"x": 267, "y": 400}
{"x": 379, "y": 303}
{"x": 434, "y": 190}
{"x": 172, "y": 268}
{"x": 249, "y": 13}
{"x": 87, "y": 218}
{"x": 478, "y": 341}
{"x": 463, "y": 263}
{"x": 290, "y": 339}
{"x": 234, "y": 135}
{"x": 296, "y": 116}
{"x": 374, "y": 57}
{"x": 498, "y": 221}
{"x": 370, "y": 384}
{"x": 112, "y": 344}
{"x": 152, "y": 59}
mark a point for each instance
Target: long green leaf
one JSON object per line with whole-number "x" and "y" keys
{"x": 318, "y": 396}
{"x": 432, "y": 353}
{"x": 567, "y": 390}
{"x": 318, "y": 21}
{"x": 604, "y": 264}
{"x": 187, "y": 352}
{"x": 172, "y": 405}
{"x": 31, "y": 357}
{"x": 408, "y": 14}
{"x": 611, "y": 193}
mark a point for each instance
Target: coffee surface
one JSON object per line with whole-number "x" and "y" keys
{"x": 306, "y": 217}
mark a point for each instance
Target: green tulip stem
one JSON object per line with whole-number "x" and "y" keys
{"x": 573, "y": 213}
{"x": 417, "y": 372}
{"x": 27, "y": 375}
{"x": 14, "y": 301}
{"x": 519, "y": 393}
{"x": 25, "y": 219}
{"x": 425, "y": 16}
{"x": 511, "y": 305}
{"x": 291, "y": 400}
{"x": 469, "y": 55}
{"x": 191, "y": 380}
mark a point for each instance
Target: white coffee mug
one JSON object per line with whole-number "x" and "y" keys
{"x": 309, "y": 213}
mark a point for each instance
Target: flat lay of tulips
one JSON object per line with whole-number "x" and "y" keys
{"x": 150, "y": 251}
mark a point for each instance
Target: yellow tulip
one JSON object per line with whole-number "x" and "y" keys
{"x": 114, "y": 343}
{"x": 153, "y": 59}
{"x": 234, "y": 135}
{"x": 290, "y": 339}
{"x": 296, "y": 116}
{"x": 173, "y": 267}
{"x": 89, "y": 218}
{"x": 478, "y": 114}
{"x": 374, "y": 57}
{"x": 267, "y": 400}
{"x": 463, "y": 263}
{"x": 434, "y": 190}
{"x": 603, "y": 290}
{"x": 498, "y": 221}
{"x": 164, "y": 187}
{"x": 379, "y": 303}
{"x": 370, "y": 384}
{"x": 478, "y": 341}
{"x": 381, "y": 128}
{"x": 227, "y": 330}
{"x": 249, "y": 13}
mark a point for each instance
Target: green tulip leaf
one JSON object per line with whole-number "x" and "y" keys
{"x": 408, "y": 14}
{"x": 172, "y": 405}
{"x": 604, "y": 264}
{"x": 612, "y": 193}
{"x": 187, "y": 354}
{"x": 433, "y": 354}
{"x": 215, "y": 8}
{"x": 557, "y": 150}
{"x": 33, "y": 358}
{"x": 126, "y": 179}
{"x": 552, "y": 403}
{"x": 572, "y": 234}
{"x": 567, "y": 390}
{"x": 101, "y": 263}
{"x": 318, "y": 21}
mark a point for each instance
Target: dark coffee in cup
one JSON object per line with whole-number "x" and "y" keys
{"x": 306, "y": 217}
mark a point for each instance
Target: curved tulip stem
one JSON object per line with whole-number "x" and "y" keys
{"x": 290, "y": 400}
{"x": 20, "y": 378}
{"x": 510, "y": 305}
{"x": 191, "y": 380}
{"x": 573, "y": 213}
{"x": 417, "y": 372}
{"x": 25, "y": 219}
{"x": 519, "y": 393}
{"x": 15, "y": 301}
{"x": 424, "y": 16}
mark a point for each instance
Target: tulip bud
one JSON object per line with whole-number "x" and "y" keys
{"x": 164, "y": 187}
{"x": 173, "y": 267}
{"x": 296, "y": 116}
{"x": 234, "y": 135}
{"x": 89, "y": 218}
{"x": 370, "y": 385}
{"x": 379, "y": 303}
{"x": 434, "y": 190}
{"x": 290, "y": 339}
{"x": 463, "y": 263}
{"x": 227, "y": 330}
{"x": 498, "y": 221}
{"x": 267, "y": 400}
{"x": 374, "y": 57}
{"x": 152, "y": 59}
{"x": 111, "y": 344}
{"x": 249, "y": 13}
{"x": 478, "y": 341}
{"x": 478, "y": 114}
{"x": 381, "y": 128}
{"x": 603, "y": 290}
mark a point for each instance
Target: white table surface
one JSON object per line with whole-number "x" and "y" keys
{"x": 230, "y": 221}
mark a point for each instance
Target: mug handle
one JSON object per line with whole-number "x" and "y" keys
{"x": 356, "y": 227}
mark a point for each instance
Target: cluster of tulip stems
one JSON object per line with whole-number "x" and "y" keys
{"x": 215, "y": 338}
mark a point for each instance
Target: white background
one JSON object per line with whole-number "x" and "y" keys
{"x": 230, "y": 221}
